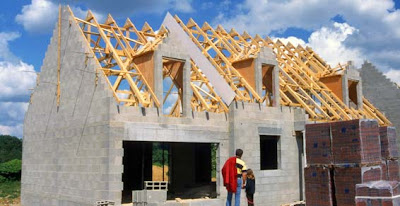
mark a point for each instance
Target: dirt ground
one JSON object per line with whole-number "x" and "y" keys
{"x": 8, "y": 202}
{"x": 158, "y": 173}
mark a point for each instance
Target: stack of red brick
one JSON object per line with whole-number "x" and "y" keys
{"x": 386, "y": 191}
{"x": 341, "y": 155}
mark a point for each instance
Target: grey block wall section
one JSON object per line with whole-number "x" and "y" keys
{"x": 382, "y": 93}
{"x": 247, "y": 123}
{"x": 66, "y": 152}
{"x": 73, "y": 155}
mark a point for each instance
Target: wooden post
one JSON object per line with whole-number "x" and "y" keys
{"x": 59, "y": 57}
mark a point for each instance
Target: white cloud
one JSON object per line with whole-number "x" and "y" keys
{"x": 12, "y": 130}
{"x": 5, "y": 53}
{"x": 39, "y": 16}
{"x": 372, "y": 30}
{"x": 80, "y": 13}
{"x": 12, "y": 117}
{"x": 393, "y": 75}
{"x": 15, "y": 81}
{"x": 328, "y": 42}
{"x": 183, "y": 6}
{"x": 293, "y": 40}
{"x": 16, "y": 78}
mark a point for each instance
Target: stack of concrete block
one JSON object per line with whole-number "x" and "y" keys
{"x": 351, "y": 152}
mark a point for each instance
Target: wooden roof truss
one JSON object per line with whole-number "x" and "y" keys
{"x": 115, "y": 47}
{"x": 300, "y": 69}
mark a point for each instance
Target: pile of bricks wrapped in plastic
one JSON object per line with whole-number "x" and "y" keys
{"x": 351, "y": 163}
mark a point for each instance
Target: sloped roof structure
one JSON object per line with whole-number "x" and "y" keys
{"x": 117, "y": 47}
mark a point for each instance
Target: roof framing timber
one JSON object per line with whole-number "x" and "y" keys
{"x": 300, "y": 69}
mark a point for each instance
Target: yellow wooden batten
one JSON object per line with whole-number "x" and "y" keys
{"x": 300, "y": 69}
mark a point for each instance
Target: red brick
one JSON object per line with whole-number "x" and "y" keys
{"x": 318, "y": 144}
{"x": 356, "y": 141}
{"x": 347, "y": 176}
{"x": 389, "y": 149}
{"x": 318, "y": 186}
{"x": 392, "y": 170}
{"x": 369, "y": 193}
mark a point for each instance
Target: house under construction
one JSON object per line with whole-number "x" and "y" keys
{"x": 108, "y": 94}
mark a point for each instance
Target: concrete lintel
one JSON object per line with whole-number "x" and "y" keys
{"x": 270, "y": 131}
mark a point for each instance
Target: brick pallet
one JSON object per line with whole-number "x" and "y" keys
{"x": 378, "y": 193}
{"x": 353, "y": 149}
{"x": 318, "y": 186}
{"x": 318, "y": 144}
{"x": 389, "y": 148}
{"x": 392, "y": 170}
{"x": 347, "y": 176}
{"x": 356, "y": 141}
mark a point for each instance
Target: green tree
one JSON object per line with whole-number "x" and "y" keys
{"x": 10, "y": 148}
{"x": 11, "y": 170}
{"x": 159, "y": 150}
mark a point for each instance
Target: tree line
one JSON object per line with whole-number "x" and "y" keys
{"x": 10, "y": 158}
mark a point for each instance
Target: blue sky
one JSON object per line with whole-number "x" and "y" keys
{"x": 339, "y": 30}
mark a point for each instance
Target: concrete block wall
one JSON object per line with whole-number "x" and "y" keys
{"x": 73, "y": 154}
{"x": 382, "y": 93}
{"x": 66, "y": 149}
{"x": 147, "y": 124}
{"x": 247, "y": 122}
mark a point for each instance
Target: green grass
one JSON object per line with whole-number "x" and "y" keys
{"x": 10, "y": 189}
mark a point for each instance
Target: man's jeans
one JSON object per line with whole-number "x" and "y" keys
{"x": 237, "y": 194}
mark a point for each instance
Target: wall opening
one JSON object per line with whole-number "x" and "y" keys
{"x": 353, "y": 100}
{"x": 172, "y": 87}
{"x": 137, "y": 163}
{"x": 267, "y": 84}
{"x": 189, "y": 168}
{"x": 270, "y": 152}
{"x": 301, "y": 158}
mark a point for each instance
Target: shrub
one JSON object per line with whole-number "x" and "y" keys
{"x": 11, "y": 169}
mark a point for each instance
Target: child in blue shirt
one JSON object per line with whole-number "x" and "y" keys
{"x": 250, "y": 187}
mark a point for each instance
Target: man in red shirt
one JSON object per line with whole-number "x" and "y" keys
{"x": 234, "y": 174}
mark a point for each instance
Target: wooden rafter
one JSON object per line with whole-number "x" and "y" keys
{"x": 300, "y": 69}
{"x": 115, "y": 47}
{"x": 211, "y": 44}
{"x": 300, "y": 73}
